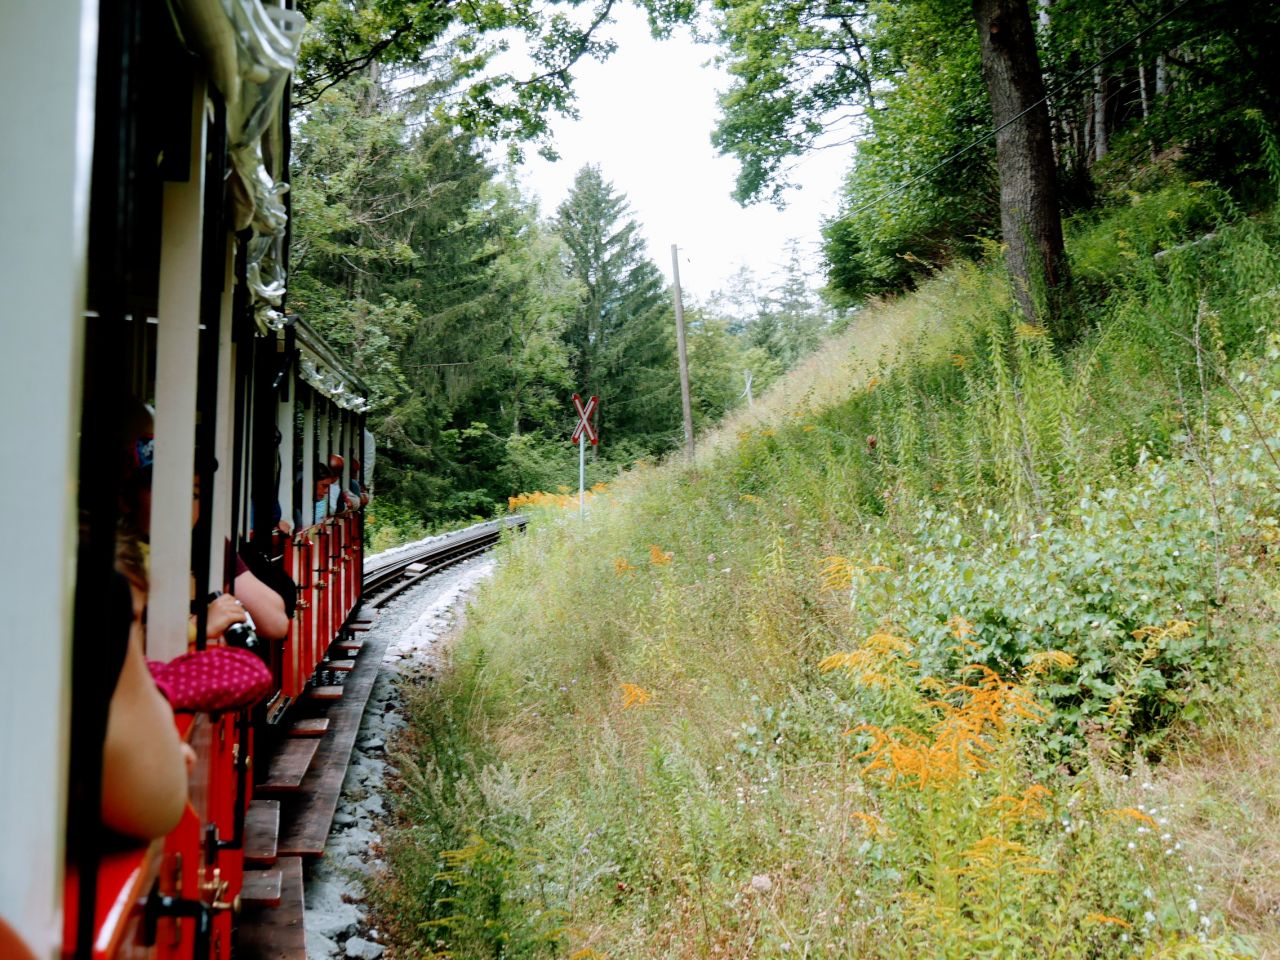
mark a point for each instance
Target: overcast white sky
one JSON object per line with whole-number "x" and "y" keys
{"x": 646, "y": 119}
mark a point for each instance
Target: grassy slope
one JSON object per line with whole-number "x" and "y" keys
{"x": 639, "y": 753}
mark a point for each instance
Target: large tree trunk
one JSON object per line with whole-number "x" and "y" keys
{"x": 1029, "y": 214}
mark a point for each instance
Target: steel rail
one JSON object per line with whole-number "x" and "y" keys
{"x": 391, "y": 578}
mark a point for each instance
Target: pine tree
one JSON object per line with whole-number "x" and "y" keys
{"x": 621, "y": 336}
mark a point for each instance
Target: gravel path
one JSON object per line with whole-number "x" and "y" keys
{"x": 416, "y": 626}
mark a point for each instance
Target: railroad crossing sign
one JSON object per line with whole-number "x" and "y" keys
{"x": 585, "y": 414}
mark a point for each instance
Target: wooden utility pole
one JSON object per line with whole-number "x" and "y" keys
{"x": 684, "y": 354}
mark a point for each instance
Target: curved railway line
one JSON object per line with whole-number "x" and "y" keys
{"x": 384, "y": 580}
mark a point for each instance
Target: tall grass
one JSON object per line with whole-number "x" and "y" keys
{"x": 883, "y": 672}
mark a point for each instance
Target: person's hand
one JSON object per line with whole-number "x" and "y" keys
{"x": 189, "y": 757}
{"x": 285, "y": 527}
{"x": 223, "y": 612}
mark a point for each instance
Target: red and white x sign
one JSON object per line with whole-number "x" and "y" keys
{"x": 585, "y": 413}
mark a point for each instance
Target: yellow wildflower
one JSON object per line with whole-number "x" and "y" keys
{"x": 1046, "y": 660}
{"x": 658, "y": 557}
{"x": 1025, "y": 807}
{"x": 1103, "y": 918}
{"x": 1133, "y": 813}
{"x": 634, "y": 696}
{"x": 872, "y": 825}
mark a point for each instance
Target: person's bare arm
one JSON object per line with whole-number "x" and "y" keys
{"x": 264, "y": 605}
{"x": 144, "y": 770}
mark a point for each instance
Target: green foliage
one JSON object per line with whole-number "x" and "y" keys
{"x": 622, "y": 333}
{"x": 796, "y": 67}
{"x": 936, "y": 107}
{"x": 425, "y": 39}
{"x": 1110, "y": 505}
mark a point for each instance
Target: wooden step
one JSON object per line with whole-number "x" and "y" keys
{"x": 310, "y": 727}
{"x": 261, "y": 832}
{"x": 262, "y": 888}
{"x": 352, "y": 646}
{"x": 339, "y": 666}
{"x": 311, "y": 809}
{"x": 289, "y": 765}
{"x": 328, "y": 692}
{"x": 266, "y": 933}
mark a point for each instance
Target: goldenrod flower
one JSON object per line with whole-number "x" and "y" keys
{"x": 634, "y": 696}
{"x": 1103, "y": 918}
{"x": 1133, "y": 813}
{"x": 658, "y": 557}
{"x": 1025, "y": 807}
{"x": 1045, "y": 660}
{"x": 872, "y": 825}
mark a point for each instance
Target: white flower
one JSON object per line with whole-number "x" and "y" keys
{"x": 1132, "y": 845}
{"x": 1149, "y": 917}
{"x": 1193, "y": 906}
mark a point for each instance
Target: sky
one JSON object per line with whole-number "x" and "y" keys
{"x": 646, "y": 119}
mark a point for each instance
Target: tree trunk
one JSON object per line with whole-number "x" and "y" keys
{"x": 1099, "y": 114}
{"x": 1029, "y": 214}
{"x": 1143, "y": 94}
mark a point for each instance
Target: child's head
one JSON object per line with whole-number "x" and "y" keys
{"x": 323, "y": 480}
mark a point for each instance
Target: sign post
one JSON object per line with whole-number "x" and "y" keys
{"x": 584, "y": 430}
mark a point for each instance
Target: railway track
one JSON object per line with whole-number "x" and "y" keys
{"x": 384, "y": 580}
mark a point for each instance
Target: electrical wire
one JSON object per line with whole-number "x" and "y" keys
{"x": 1086, "y": 72}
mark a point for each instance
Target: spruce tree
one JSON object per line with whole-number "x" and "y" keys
{"x": 621, "y": 336}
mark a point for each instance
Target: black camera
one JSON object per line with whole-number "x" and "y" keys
{"x": 244, "y": 634}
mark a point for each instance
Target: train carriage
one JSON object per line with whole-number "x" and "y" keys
{"x": 145, "y": 261}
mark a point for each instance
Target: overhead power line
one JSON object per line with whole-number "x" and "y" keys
{"x": 1086, "y": 72}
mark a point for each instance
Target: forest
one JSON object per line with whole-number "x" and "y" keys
{"x": 473, "y": 315}
{"x": 961, "y": 641}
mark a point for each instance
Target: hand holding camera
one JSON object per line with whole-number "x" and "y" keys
{"x": 230, "y": 620}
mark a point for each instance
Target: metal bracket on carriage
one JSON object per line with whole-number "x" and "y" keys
{"x": 158, "y": 906}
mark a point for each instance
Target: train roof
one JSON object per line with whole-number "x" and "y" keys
{"x": 320, "y": 367}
